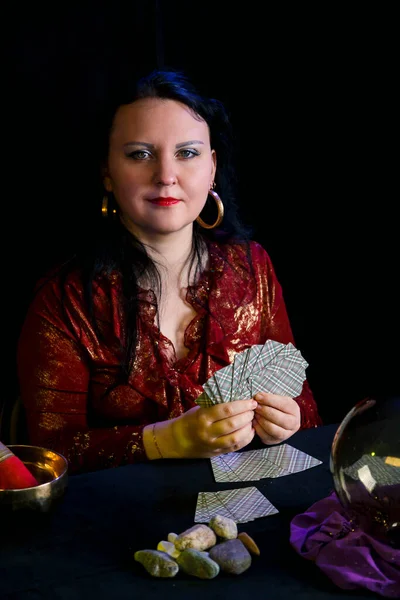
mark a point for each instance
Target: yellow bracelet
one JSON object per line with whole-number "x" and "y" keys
{"x": 155, "y": 441}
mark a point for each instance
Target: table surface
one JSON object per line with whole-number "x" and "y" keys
{"x": 84, "y": 548}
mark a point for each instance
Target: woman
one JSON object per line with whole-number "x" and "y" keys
{"x": 117, "y": 344}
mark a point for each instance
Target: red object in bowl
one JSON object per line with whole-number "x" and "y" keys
{"x": 14, "y": 475}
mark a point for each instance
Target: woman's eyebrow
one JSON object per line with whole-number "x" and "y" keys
{"x": 189, "y": 143}
{"x": 151, "y": 146}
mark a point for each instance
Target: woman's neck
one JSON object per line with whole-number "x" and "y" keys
{"x": 169, "y": 250}
{"x": 172, "y": 253}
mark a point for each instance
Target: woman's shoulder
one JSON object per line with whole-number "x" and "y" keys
{"x": 72, "y": 276}
{"x": 57, "y": 278}
{"x": 244, "y": 250}
{"x": 68, "y": 280}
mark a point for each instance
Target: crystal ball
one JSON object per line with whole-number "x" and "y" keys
{"x": 365, "y": 466}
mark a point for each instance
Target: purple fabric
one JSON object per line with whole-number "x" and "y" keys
{"x": 350, "y": 557}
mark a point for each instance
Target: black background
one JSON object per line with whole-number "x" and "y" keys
{"x": 311, "y": 93}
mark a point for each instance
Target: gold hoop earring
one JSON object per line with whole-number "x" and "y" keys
{"x": 220, "y": 208}
{"x": 105, "y": 209}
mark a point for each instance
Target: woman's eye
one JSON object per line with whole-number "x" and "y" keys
{"x": 188, "y": 153}
{"x": 139, "y": 154}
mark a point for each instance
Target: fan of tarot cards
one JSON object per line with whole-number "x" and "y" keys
{"x": 271, "y": 367}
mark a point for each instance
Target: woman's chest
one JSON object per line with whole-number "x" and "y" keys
{"x": 174, "y": 317}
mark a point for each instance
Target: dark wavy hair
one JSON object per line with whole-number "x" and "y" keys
{"x": 111, "y": 247}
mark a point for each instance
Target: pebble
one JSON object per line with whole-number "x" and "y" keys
{"x": 158, "y": 564}
{"x": 196, "y": 563}
{"x": 232, "y": 556}
{"x": 172, "y": 537}
{"x": 198, "y": 537}
{"x": 224, "y": 527}
{"x": 249, "y": 543}
{"x": 169, "y": 548}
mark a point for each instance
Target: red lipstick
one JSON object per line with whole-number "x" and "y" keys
{"x": 164, "y": 201}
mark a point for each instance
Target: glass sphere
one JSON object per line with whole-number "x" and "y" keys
{"x": 365, "y": 466}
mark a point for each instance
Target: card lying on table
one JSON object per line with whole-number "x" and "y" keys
{"x": 241, "y": 505}
{"x": 271, "y": 367}
{"x": 247, "y": 504}
{"x": 253, "y": 465}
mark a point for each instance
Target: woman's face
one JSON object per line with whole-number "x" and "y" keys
{"x": 160, "y": 165}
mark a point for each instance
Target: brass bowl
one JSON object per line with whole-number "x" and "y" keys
{"x": 51, "y": 471}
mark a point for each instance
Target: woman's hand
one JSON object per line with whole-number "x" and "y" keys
{"x": 207, "y": 432}
{"x": 276, "y": 417}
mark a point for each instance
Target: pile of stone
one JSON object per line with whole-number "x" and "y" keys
{"x": 202, "y": 551}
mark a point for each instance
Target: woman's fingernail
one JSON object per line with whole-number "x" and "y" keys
{"x": 259, "y": 396}
{"x": 254, "y": 404}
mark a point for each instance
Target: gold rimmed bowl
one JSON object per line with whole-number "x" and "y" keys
{"x": 50, "y": 470}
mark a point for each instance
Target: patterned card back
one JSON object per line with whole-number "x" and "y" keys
{"x": 240, "y": 505}
{"x": 253, "y": 465}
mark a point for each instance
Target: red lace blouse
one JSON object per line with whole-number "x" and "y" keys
{"x": 70, "y": 377}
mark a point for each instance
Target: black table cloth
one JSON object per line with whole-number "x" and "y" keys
{"x": 84, "y": 548}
